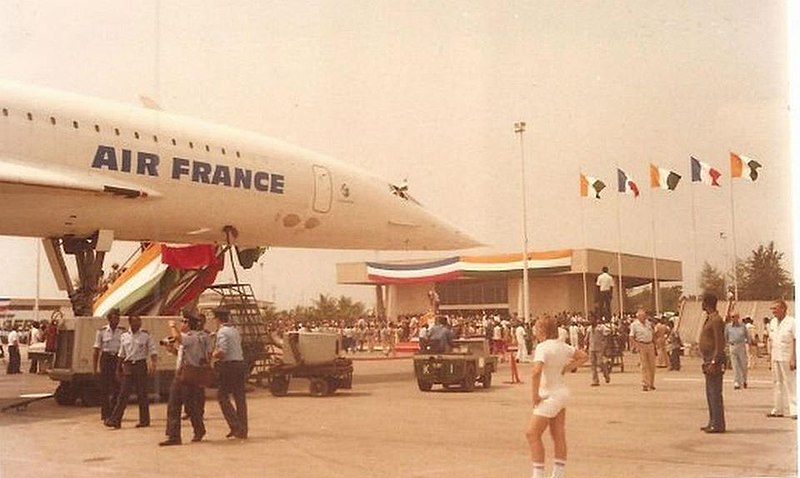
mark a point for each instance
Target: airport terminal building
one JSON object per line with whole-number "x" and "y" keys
{"x": 558, "y": 280}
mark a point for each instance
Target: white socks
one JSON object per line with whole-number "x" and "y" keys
{"x": 559, "y": 467}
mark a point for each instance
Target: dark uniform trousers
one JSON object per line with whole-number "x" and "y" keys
{"x": 109, "y": 386}
{"x": 192, "y": 397}
{"x": 716, "y": 407}
{"x": 14, "y": 360}
{"x": 231, "y": 378}
{"x": 134, "y": 376}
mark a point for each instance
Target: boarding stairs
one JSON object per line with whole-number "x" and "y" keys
{"x": 258, "y": 346}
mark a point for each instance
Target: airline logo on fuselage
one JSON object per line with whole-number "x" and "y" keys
{"x": 148, "y": 164}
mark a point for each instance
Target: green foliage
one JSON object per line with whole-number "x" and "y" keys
{"x": 670, "y": 299}
{"x": 324, "y": 307}
{"x": 712, "y": 281}
{"x": 763, "y": 276}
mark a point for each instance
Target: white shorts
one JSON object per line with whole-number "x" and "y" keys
{"x": 551, "y": 405}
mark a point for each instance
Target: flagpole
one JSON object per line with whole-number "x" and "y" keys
{"x": 619, "y": 255}
{"x": 520, "y": 129}
{"x": 694, "y": 232}
{"x": 38, "y": 280}
{"x": 585, "y": 256}
{"x": 655, "y": 262}
{"x": 735, "y": 257}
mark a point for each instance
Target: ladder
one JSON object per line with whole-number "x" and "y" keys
{"x": 246, "y": 316}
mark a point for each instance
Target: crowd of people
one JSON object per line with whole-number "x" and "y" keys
{"x": 33, "y": 333}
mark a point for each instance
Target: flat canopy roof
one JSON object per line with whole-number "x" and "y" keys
{"x": 636, "y": 269}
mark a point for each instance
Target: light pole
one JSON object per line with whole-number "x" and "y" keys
{"x": 519, "y": 128}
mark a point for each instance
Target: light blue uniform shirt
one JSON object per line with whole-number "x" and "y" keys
{"x": 194, "y": 348}
{"x": 735, "y": 335}
{"x": 230, "y": 343}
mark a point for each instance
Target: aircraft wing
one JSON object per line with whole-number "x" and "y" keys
{"x": 16, "y": 173}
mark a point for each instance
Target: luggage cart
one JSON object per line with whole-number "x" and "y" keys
{"x": 615, "y": 347}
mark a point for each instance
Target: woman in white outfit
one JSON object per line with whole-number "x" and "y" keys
{"x": 551, "y": 360}
{"x": 522, "y": 346}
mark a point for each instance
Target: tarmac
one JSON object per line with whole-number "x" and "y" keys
{"x": 385, "y": 427}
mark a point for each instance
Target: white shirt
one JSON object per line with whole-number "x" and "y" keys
{"x": 35, "y": 336}
{"x": 554, "y": 355}
{"x": 13, "y": 338}
{"x": 605, "y": 281}
{"x": 781, "y": 335}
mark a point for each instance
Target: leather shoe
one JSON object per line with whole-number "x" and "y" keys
{"x": 198, "y": 437}
{"x": 714, "y": 430}
{"x": 705, "y": 428}
{"x": 230, "y": 434}
{"x": 774, "y": 415}
{"x": 113, "y": 425}
{"x": 142, "y": 425}
{"x": 170, "y": 442}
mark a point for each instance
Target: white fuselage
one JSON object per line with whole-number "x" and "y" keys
{"x": 72, "y": 165}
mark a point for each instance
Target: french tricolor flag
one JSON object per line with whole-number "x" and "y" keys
{"x": 704, "y": 173}
{"x": 625, "y": 184}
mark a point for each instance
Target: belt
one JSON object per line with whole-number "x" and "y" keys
{"x": 112, "y": 354}
{"x": 135, "y": 362}
{"x": 645, "y": 343}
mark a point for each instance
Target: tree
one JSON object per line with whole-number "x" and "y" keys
{"x": 712, "y": 281}
{"x": 764, "y": 277}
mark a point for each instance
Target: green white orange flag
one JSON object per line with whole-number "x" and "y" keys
{"x": 594, "y": 185}
{"x": 744, "y": 167}
{"x": 663, "y": 178}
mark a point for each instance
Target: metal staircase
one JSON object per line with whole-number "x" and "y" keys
{"x": 257, "y": 343}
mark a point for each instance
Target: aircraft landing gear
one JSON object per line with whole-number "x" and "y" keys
{"x": 89, "y": 253}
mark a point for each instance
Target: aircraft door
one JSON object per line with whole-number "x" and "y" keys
{"x": 323, "y": 189}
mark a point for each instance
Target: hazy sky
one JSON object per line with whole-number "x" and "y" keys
{"x": 430, "y": 91}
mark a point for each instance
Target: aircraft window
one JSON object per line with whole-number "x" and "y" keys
{"x": 223, "y": 151}
{"x": 208, "y": 149}
{"x": 75, "y": 124}
{"x": 5, "y": 111}
{"x": 116, "y": 131}
{"x": 30, "y": 117}
{"x": 238, "y": 155}
{"x": 191, "y": 145}
{"x": 174, "y": 143}
{"x": 155, "y": 139}
{"x": 97, "y": 128}
{"x": 136, "y": 134}
{"x": 52, "y": 120}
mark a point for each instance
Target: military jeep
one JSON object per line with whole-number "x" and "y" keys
{"x": 468, "y": 361}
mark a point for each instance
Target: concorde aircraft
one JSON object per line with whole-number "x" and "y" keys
{"x": 86, "y": 171}
{"x": 71, "y": 165}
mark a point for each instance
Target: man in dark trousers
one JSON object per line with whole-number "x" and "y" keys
{"x": 136, "y": 346}
{"x": 104, "y": 360}
{"x": 193, "y": 348}
{"x": 232, "y": 373}
{"x": 712, "y": 349}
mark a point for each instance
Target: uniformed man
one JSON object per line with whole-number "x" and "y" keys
{"x": 106, "y": 348}
{"x": 193, "y": 348}
{"x": 232, "y": 375}
{"x": 132, "y": 369}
